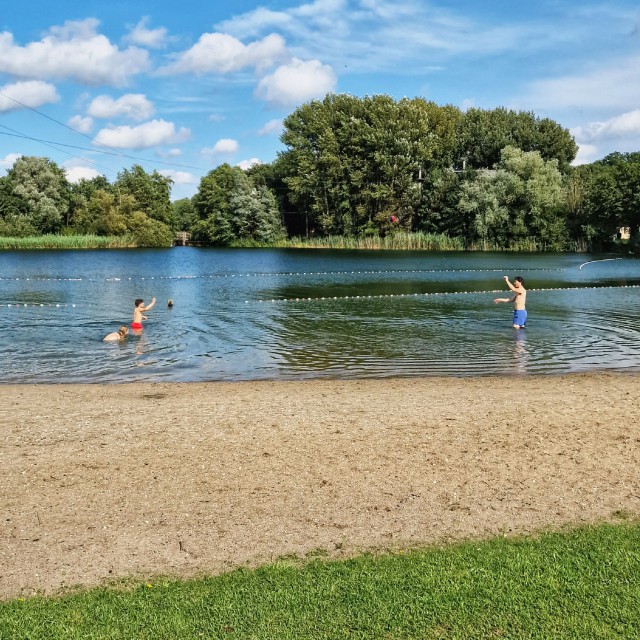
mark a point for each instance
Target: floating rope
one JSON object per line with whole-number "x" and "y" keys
{"x": 272, "y": 274}
{"x": 38, "y": 304}
{"x": 439, "y": 293}
{"x": 60, "y": 305}
{"x": 603, "y": 260}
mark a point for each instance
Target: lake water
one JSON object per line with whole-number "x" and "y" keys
{"x": 288, "y": 314}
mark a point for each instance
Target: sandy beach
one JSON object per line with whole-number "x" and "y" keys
{"x": 101, "y": 482}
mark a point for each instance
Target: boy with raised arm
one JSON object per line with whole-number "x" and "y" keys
{"x": 519, "y": 300}
{"x": 138, "y": 311}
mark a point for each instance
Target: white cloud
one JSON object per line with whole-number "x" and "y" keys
{"x": 171, "y": 153}
{"x": 587, "y": 153}
{"x": 380, "y": 35}
{"x": 83, "y": 125}
{"x": 143, "y": 136}
{"x": 179, "y": 177}
{"x": 9, "y": 160}
{"x": 296, "y": 82}
{"x": 222, "y": 53}
{"x": 224, "y": 146}
{"x": 613, "y": 84}
{"x": 152, "y": 38}
{"x": 247, "y": 164}
{"x": 273, "y": 126}
{"x": 74, "y": 51}
{"x": 216, "y": 117}
{"x": 131, "y": 105}
{"x": 626, "y": 124}
{"x": 32, "y": 94}
{"x": 75, "y": 174}
{"x": 291, "y": 20}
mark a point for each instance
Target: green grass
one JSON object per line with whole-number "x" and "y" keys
{"x": 577, "y": 584}
{"x": 52, "y": 241}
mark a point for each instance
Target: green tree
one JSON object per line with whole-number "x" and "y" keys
{"x": 212, "y": 204}
{"x": 523, "y": 197}
{"x": 354, "y": 161}
{"x": 14, "y": 212}
{"x": 183, "y": 214}
{"x": 612, "y": 195}
{"x": 80, "y": 193}
{"x": 254, "y": 211}
{"x": 42, "y": 187}
{"x": 151, "y": 191}
{"x": 482, "y": 134}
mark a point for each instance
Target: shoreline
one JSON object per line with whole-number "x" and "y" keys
{"x": 104, "y": 481}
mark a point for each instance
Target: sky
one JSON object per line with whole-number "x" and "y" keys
{"x": 183, "y": 87}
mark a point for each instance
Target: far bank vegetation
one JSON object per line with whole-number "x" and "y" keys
{"x": 372, "y": 173}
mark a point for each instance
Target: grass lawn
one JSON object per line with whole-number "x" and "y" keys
{"x": 583, "y": 583}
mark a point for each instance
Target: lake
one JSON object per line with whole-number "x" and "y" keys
{"x": 293, "y": 314}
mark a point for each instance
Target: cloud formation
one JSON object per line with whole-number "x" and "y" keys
{"x": 272, "y": 127}
{"x": 247, "y": 164}
{"x": 149, "y": 134}
{"x": 9, "y": 160}
{"x": 151, "y": 38}
{"x": 132, "y": 105}
{"x": 613, "y": 83}
{"x": 626, "y": 124}
{"x": 296, "y": 82}
{"x": 74, "y": 51}
{"x": 77, "y": 173}
{"x": 222, "y": 53}
{"x": 83, "y": 125}
{"x": 224, "y": 146}
{"x": 179, "y": 177}
{"x": 20, "y": 95}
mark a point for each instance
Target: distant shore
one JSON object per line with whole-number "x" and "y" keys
{"x": 100, "y": 482}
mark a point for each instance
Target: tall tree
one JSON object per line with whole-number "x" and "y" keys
{"x": 152, "y": 192}
{"x": 213, "y": 208}
{"x": 523, "y": 197}
{"x": 42, "y": 187}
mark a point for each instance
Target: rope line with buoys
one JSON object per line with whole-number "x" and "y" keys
{"x": 259, "y": 274}
{"x": 439, "y": 293}
{"x": 59, "y": 305}
{"x": 39, "y": 304}
{"x": 271, "y": 274}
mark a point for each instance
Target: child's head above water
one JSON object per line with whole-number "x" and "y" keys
{"x": 123, "y": 331}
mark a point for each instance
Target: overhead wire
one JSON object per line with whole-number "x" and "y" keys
{"x": 112, "y": 151}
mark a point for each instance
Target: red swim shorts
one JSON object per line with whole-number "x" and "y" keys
{"x": 136, "y": 325}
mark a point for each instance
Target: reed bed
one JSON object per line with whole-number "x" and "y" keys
{"x": 52, "y": 241}
{"x": 394, "y": 241}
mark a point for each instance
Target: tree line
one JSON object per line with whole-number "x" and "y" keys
{"x": 357, "y": 167}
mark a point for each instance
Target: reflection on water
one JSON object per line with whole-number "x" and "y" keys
{"x": 251, "y": 314}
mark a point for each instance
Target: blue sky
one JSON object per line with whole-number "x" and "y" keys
{"x": 183, "y": 87}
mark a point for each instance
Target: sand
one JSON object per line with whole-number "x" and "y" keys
{"x": 103, "y": 482}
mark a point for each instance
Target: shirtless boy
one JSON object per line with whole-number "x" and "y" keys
{"x": 138, "y": 311}
{"x": 519, "y": 300}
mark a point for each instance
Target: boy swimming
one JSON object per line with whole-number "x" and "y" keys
{"x": 120, "y": 334}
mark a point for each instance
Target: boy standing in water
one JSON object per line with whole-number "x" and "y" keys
{"x": 519, "y": 300}
{"x": 138, "y": 311}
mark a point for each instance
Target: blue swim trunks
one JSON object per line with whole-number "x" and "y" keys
{"x": 520, "y": 317}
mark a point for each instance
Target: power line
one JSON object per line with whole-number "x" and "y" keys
{"x": 114, "y": 151}
{"x": 109, "y": 153}
{"x": 20, "y": 134}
